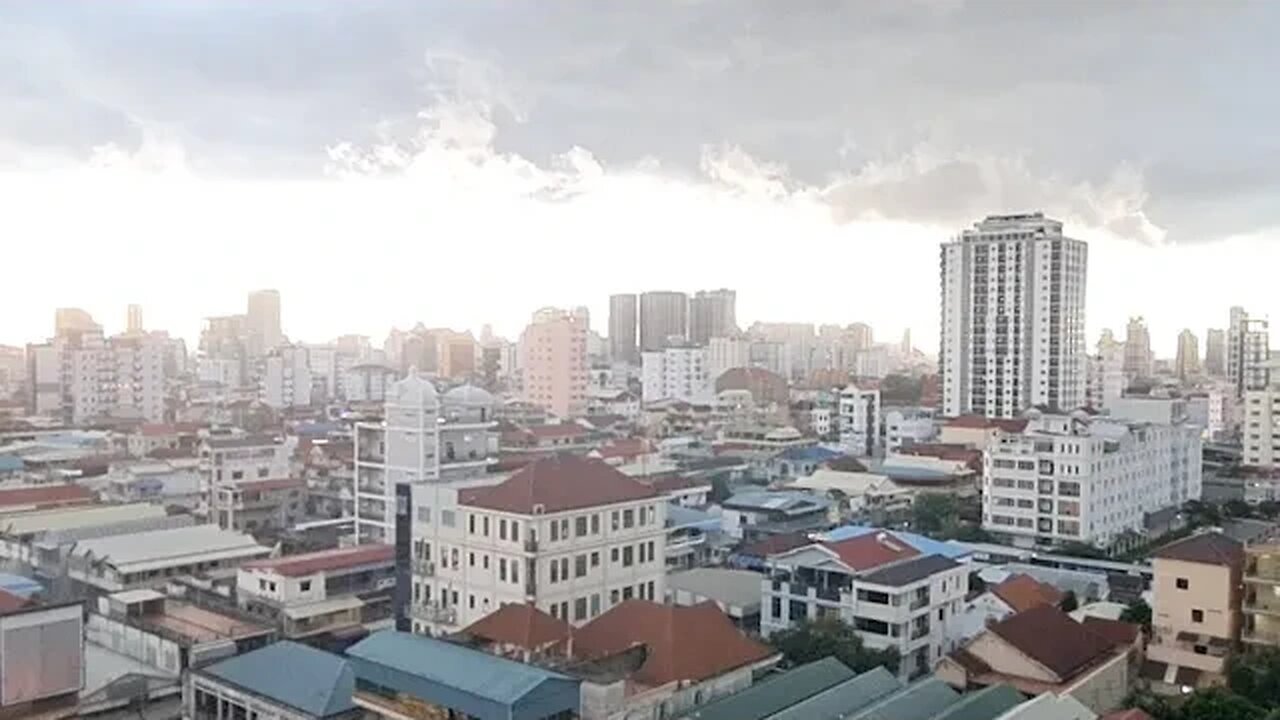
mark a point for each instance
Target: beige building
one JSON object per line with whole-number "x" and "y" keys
{"x": 553, "y": 359}
{"x": 1261, "y": 599}
{"x": 1196, "y": 619}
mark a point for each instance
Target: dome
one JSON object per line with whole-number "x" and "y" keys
{"x": 469, "y": 396}
{"x": 783, "y": 434}
{"x": 415, "y": 390}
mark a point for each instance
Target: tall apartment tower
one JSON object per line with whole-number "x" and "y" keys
{"x": 1013, "y": 295}
{"x": 1248, "y": 352}
{"x": 1138, "y": 360}
{"x": 663, "y": 315}
{"x": 1187, "y": 364}
{"x": 1215, "y": 353}
{"x": 712, "y": 313}
{"x": 553, "y": 359}
{"x": 263, "y": 321}
{"x": 134, "y": 324}
{"x": 623, "y": 316}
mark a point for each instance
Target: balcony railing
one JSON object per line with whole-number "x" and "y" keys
{"x": 919, "y": 632}
{"x": 422, "y": 566}
{"x": 531, "y": 545}
{"x": 434, "y": 614}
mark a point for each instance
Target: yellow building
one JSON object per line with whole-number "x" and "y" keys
{"x": 1196, "y": 621}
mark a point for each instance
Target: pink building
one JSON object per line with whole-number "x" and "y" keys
{"x": 553, "y": 358}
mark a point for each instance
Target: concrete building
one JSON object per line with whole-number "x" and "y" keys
{"x": 262, "y": 322}
{"x": 1195, "y": 619}
{"x": 1013, "y": 304}
{"x": 1076, "y": 478}
{"x": 677, "y": 372}
{"x": 284, "y": 378}
{"x": 83, "y": 376}
{"x": 42, "y": 665}
{"x": 1215, "y": 353}
{"x": 859, "y": 421}
{"x": 553, "y": 362}
{"x": 726, "y": 353}
{"x": 259, "y": 506}
{"x": 424, "y": 438}
{"x": 624, "y": 313}
{"x": 1261, "y": 597}
{"x": 13, "y": 371}
{"x": 150, "y": 559}
{"x": 1187, "y": 363}
{"x": 572, "y": 536}
{"x": 1260, "y": 424}
{"x": 282, "y": 681}
{"x": 228, "y": 461}
{"x": 904, "y": 427}
{"x": 712, "y": 313}
{"x": 1138, "y": 358}
{"x": 664, "y": 315}
{"x": 368, "y": 383}
{"x": 1248, "y": 352}
{"x": 1106, "y": 378}
{"x": 891, "y": 594}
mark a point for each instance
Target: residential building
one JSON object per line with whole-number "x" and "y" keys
{"x": 664, "y": 316}
{"x": 424, "y": 438}
{"x": 891, "y": 594}
{"x": 1017, "y": 593}
{"x": 150, "y": 437}
{"x": 727, "y": 353}
{"x": 13, "y": 371}
{"x": 262, "y": 322}
{"x": 457, "y": 354}
{"x": 68, "y": 321}
{"x": 259, "y": 506}
{"x": 712, "y": 313}
{"x": 151, "y": 559}
{"x": 1078, "y": 478}
{"x": 859, "y": 421}
{"x": 677, "y": 372}
{"x": 1044, "y": 650}
{"x": 167, "y": 482}
{"x": 1196, "y": 619}
{"x": 553, "y": 362}
{"x": 1260, "y": 423}
{"x": 1215, "y": 353}
{"x": 1248, "y": 352}
{"x": 1013, "y": 303}
{"x": 904, "y": 427}
{"x": 84, "y": 376}
{"x": 368, "y": 383}
{"x": 41, "y": 658}
{"x": 284, "y": 378}
{"x": 1106, "y": 377}
{"x": 751, "y": 514}
{"x": 1261, "y": 598}
{"x": 1207, "y": 411}
{"x": 572, "y": 536}
{"x": 284, "y": 680}
{"x": 624, "y": 314}
{"x": 1187, "y": 363}
{"x": 328, "y": 591}
{"x": 1138, "y": 358}
{"x": 735, "y": 592}
{"x": 399, "y": 675}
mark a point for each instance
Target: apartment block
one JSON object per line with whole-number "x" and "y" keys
{"x": 859, "y": 419}
{"x": 678, "y": 372}
{"x": 553, "y": 362}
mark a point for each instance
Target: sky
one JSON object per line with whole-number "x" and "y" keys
{"x": 459, "y": 163}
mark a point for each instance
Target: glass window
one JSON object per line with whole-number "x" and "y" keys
{"x": 580, "y": 526}
{"x": 580, "y": 566}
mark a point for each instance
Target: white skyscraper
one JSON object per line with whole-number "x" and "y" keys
{"x": 1013, "y": 294}
{"x": 1248, "y": 352}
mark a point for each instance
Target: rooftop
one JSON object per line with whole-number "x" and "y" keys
{"x": 197, "y": 625}
{"x": 1023, "y": 592}
{"x": 910, "y": 571}
{"x": 271, "y": 484}
{"x": 925, "y": 545}
{"x": 75, "y": 517}
{"x": 871, "y": 550}
{"x": 325, "y": 560}
{"x": 242, "y": 441}
{"x": 315, "y": 682}
{"x": 843, "y": 699}
{"x": 918, "y": 701}
{"x": 778, "y": 693}
{"x": 1051, "y": 638}
{"x": 155, "y": 549}
{"x": 732, "y": 588}
{"x": 522, "y": 625}
{"x": 1209, "y": 548}
{"x": 787, "y": 503}
{"x": 9, "y": 602}
{"x": 39, "y": 495}
{"x": 557, "y": 484}
{"x": 979, "y": 422}
{"x": 985, "y": 704}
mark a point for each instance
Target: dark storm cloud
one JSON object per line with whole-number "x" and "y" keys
{"x": 1132, "y": 116}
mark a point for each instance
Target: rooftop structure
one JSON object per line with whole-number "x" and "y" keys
{"x": 149, "y": 558}
{"x": 285, "y": 675}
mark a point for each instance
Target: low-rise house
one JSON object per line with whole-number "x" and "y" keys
{"x": 625, "y": 451}
{"x": 858, "y": 493}
{"x": 150, "y": 559}
{"x": 330, "y": 591}
{"x": 1043, "y": 650}
{"x": 151, "y": 437}
{"x": 551, "y": 438}
{"x": 683, "y": 490}
{"x": 41, "y": 658}
{"x": 170, "y": 482}
{"x": 892, "y": 594}
{"x": 799, "y": 462}
{"x": 688, "y": 530}
{"x": 43, "y": 497}
{"x": 285, "y": 681}
{"x": 256, "y": 506}
{"x": 735, "y": 592}
{"x": 1018, "y": 593}
{"x": 25, "y": 537}
{"x": 753, "y": 514}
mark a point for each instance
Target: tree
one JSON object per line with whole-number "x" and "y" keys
{"x": 933, "y": 514}
{"x": 1269, "y": 509}
{"x": 720, "y": 490}
{"x": 1256, "y": 676}
{"x": 1218, "y": 704}
{"x": 1202, "y": 513}
{"x": 974, "y": 534}
{"x": 831, "y": 637}
{"x": 901, "y": 390}
{"x": 1139, "y": 613}
{"x": 1237, "y": 509}
{"x": 1069, "y": 602}
{"x": 1079, "y": 549}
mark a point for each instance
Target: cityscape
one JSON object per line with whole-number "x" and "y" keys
{"x": 722, "y": 493}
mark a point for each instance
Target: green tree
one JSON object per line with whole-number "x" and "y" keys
{"x": 1156, "y": 706}
{"x": 831, "y": 637}
{"x": 1219, "y": 704}
{"x": 1078, "y": 549}
{"x": 1139, "y": 613}
{"x": 1256, "y": 676}
{"x": 1069, "y": 602}
{"x": 1269, "y": 509}
{"x": 933, "y": 514}
{"x": 1202, "y": 513}
{"x": 1237, "y": 509}
{"x": 972, "y": 533}
{"x": 901, "y": 390}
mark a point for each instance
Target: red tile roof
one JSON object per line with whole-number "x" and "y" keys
{"x": 979, "y": 422}
{"x": 1051, "y": 638}
{"x": 556, "y": 431}
{"x": 775, "y": 544}
{"x": 38, "y": 495}
{"x": 683, "y": 643}
{"x": 1117, "y": 631}
{"x": 1023, "y": 592}
{"x": 325, "y": 560}
{"x": 522, "y": 625}
{"x": 559, "y": 483}
{"x": 871, "y": 550}
{"x": 1210, "y": 548}
{"x": 11, "y": 603}
{"x": 624, "y": 448}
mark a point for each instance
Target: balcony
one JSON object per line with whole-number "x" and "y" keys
{"x": 531, "y": 545}
{"x": 434, "y": 614}
{"x": 423, "y": 566}
{"x": 684, "y": 545}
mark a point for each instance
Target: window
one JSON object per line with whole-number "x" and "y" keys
{"x": 515, "y": 571}
{"x": 1201, "y": 649}
{"x": 580, "y": 566}
{"x": 484, "y": 560}
{"x": 1197, "y": 616}
{"x": 262, "y": 472}
{"x": 471, "y": 525}
{"x": 1182, "y": 583}
{"x": 502, "y": 529}
{"x": 555, "y": 531}
{"x": 651, "y": 551}
{"x": 776, "y": 606}
{"x": 502, "y": 569}
{"x": 237, "y": 474}
{"x": 515, "y": 531}
{"x": 471, "y": 559}
{"x": 650, "y": 589}
{"x": 424, "y": 515}
{"x": 448, "y": 518}
{"x": 453, "y": 557}
{"x": 613, "y": 555}
{"x": 304, "y": 586}
{"x": 613, "y": 597}
{"x": 627, "y": 593}
{"x": 595, "y": 524}
{"x": 580, "y": 609}
{"x": 486, "y": 526}
{"x": 595, "y": 559}
{"x": 595, "y": 604}
{"x": 580, "y": 526}
{"x": 628, "y": 556}
{"x": 613, "y": 517}
{"x": 555, "y": 571}
{"x": 471, "y": 602}
{"x": 628, "y": 518}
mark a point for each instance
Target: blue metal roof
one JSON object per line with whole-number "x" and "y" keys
{"x": 19, "y": 585}
{"x": 476, "y": 683}
{"x": 813, "y": 453}
{"x": 10, "y": 463}
{"x": 318, "y": 683}
{"x": 925, "y": 545}
{"x": 679, "y": 516}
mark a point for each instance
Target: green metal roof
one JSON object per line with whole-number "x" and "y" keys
{"x": 918, "y": 701}
{"x": 986, "y": 704}
{"x": 772, "y": 696}
{"x": 844, "y": 699}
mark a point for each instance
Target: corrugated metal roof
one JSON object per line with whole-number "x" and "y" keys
{"x": 986, "y": 704}
{"x": 919, "y": 701}
{"x": 845, "y": 698}
{"x": 19, "y": 585}
{"x": 77, "y": 517}
{"x": 318, "y": 683}
{"x": 926, "y": 546}
{"x": 777, "y": 694}
{"x": 478, "y": 674}
{"x": 163, "y": 548}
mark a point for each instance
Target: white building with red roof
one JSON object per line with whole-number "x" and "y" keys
{"x": 571, "y": 535}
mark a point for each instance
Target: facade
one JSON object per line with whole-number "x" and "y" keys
{"x": 1076, "y": 478}
{"x": 1196, "y": 619}
{"x": 1138, "y": 359}
{"x": 368, "y": 383}
{"x": 1106, "y": 378}
{"x": 259, "y": 506}
{"x": 1261, "y": 599}
{"x": 150, "y": 559}
{"x": 624, "y": 314}
{"x": 859, "y": 420}
{"x": 284, "y": 378}
{"x": 890, "y": 593}
{"x": 1187, "y": 363}
{"x": 228, "y": 461}
{"x": 262, "y": 322}
{"x": 83, "y": 376}
{"x": 1215, "y": 353}
{"x": 572, "y": 536}
{"x": 424, "y": 438}
{"x": 1248, "y": 352}
{"x": 1260, "y": 425}
{"x": 904, "y": 427}
{"x": 1013, "y": 305}
{"x": 727, "y": 353}
{"x": 663, "y": 315}
{"x": 712, "y": 313}
{"x": 41, "y": 659}
{"x": 553, "y": 362}
{"x": 320, "y": 592}
{"x": 677, "y": 372}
